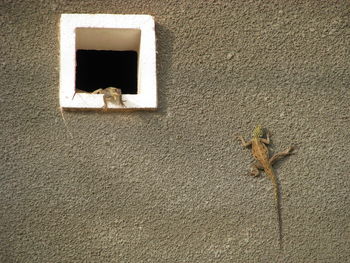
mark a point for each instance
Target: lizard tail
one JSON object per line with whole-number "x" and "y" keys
{"x": 277, "y": 194}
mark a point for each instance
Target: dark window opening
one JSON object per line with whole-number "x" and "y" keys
{"x": 99, "y": 69}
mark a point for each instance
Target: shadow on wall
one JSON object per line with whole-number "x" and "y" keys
{"x": 165, "y": 39}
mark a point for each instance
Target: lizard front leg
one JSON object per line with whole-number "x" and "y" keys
{"x": 280, "y": 155}
{"x": 244, "y": 143}
{"x": 267, "y": 140}
{"x": 105, "y": 106}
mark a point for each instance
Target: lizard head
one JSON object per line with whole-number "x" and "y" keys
{"x": 113, "y": 91}
{"x": 258, "y": 132}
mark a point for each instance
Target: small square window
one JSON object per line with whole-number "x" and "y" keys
{"x": 103, "y": 51}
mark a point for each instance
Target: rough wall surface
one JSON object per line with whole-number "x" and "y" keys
{"x": 169, "y": 186}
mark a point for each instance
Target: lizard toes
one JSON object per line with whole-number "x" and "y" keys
{"x": 291, "y": 149}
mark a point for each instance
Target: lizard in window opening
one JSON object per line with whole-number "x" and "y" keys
{"x": 111, "y": 94}
{"x": 264, "y": 162}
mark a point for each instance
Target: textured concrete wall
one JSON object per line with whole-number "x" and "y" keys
{"x": 169, "y": 186}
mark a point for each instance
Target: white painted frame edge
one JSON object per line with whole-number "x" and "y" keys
{"x": 147, "y": 80}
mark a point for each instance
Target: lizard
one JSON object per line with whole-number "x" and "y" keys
{"x": 110, "y": 94}
{"x": 264, "y": 162}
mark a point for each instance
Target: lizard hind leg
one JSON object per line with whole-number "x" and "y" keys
{"x": 255, "y": 169}
{"x": 280, "y": 155}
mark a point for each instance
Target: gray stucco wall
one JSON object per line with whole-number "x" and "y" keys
{"x": 169, "y": 186}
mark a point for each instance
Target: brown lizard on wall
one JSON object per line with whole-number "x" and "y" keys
{"x": 261, "y": 154}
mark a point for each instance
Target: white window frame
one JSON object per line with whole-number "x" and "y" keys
{"x": 146, "y": 97}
